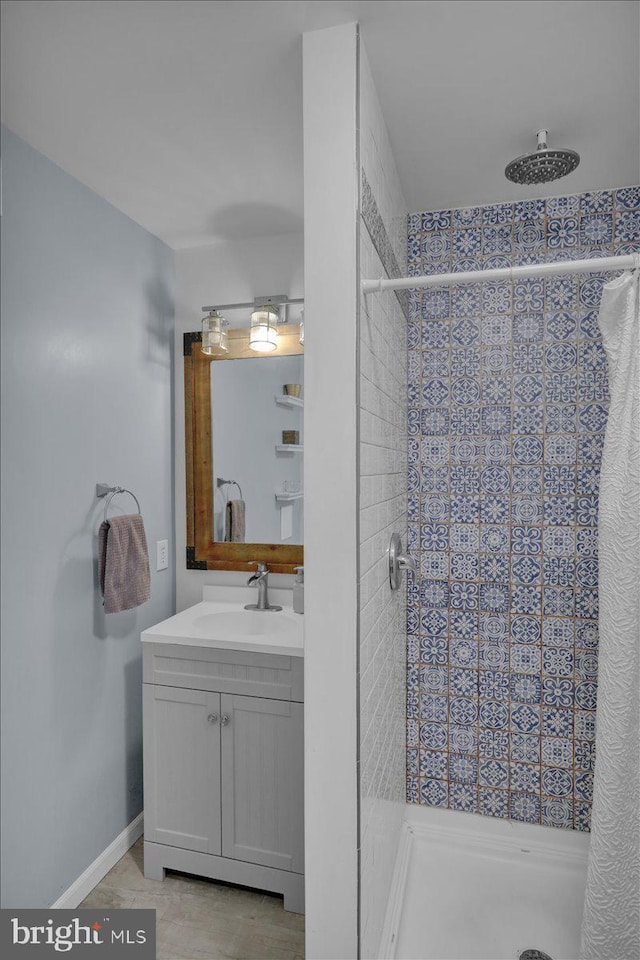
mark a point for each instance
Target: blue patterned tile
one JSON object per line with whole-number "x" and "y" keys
{"x": 494, "y": 627}
{"x": 559, "y": 571}
{"x": 496, "y": 390}
{"x": 497, "y": 450}
{"x": 463, "y": 796}
{"x": 465, "y": 421}
{"x": 526, "y": 629}
{"x": 434, "y": 709}
{"x": 600, "y": 201}
{"x": 527, "y": 450}
{"x": 436, "y": 220}
{"x": 464, "y": 653}
{"x": 494, "y": 510}
{"x": 526, "y": 479}
{"x": 495, "y": 330}
{"x": 585, "y": 755}
{"x": 496, "y": 360}
{"x": 464, "y": 566}
{"x": 587, "y": 542}
{"x": 558, "y": 602}
{"x": 557, "y": 661}
{"x": 559, "y": 510}
{"x": 494, "y": 656}
{"x": 465, "y": 480}
{"x": 463, "y": 596}
{"x": 557, "y": 782}
{"x": 586, "y": 694}
{"x": 434, "y": 680}
{"x": 466, "y": 450}
{"x": 433, "y": 736}
{"x": 463, "y": 710}
{"x": 558, "y": 692}
{"x": 435, "y": 793}
{"x": 585, "y": 723}
{"x": 465, "y": 390}
{"x": 434, "y": 623}
{"x": 524, "y": 718}
{"x": 463, "y": 768}
{"x": 496, "y": 297}
{"x": 465, "y": 508}
{"x": 525, "y": 569}
{"x": 463, "y": 739}
{"x": 493, "y": 685}
{"x": 560, "y": 450}
{"x": 524, "y": 688}
{"x": 560, "y": 356}
{"x": 527, "y": 328}
{"x": 527, "y": 358}
{"x": 557, "y": 722}
{"x": 493, "y": 773}
{"x": 494, "y": 539}
{"x": 463, "y": 624}
{"x": 528, "y": 419}
{"x": 586, "y": 603}
{"x": 596, "y": 229}
{"x": 582, "y": 816}
{"x": 493, "y": 744}
{"x": 525, "y": 659}
{"x": 524, "y": 777}
{"x": 587, "y": 634}
{"x": 494, "y": 715}
{"x": 434, "y": 650}
{"x": 493, "y": 803}
{"x": 434, "y": 593}
{"x": 557, "y": 752}
{"x": 524, "y": 807}
{"x": 494, "y": 568}
{"x": 524, "y": 747}
{"x": 433, "y": 764}
{"x": 467, "y": 216}
{"x": 586, "y": 664}
{"x": 468, "y": 242}
{"x": 627, "y": 226}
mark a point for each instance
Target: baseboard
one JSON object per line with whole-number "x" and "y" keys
{"x": 389, "y": 936}
{"x": 100, "y": 867}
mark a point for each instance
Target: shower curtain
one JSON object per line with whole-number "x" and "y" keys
{"x": 611, "y": 921}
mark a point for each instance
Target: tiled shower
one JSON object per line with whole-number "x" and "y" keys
{"x": 507, "y": 408}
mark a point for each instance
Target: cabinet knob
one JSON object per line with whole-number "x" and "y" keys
{"x": 225, "y": 719}
{"x": 213, "y": 718}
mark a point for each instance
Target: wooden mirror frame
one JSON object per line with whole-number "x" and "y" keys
{"x": 203, "y": 552}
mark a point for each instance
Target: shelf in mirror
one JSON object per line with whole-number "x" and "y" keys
{"x": 289, "y": 448}
{"x": 288, "y": 497}
{"x": 284, "y": 400}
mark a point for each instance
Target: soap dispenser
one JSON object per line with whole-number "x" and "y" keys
{"x": 298, "y": 591}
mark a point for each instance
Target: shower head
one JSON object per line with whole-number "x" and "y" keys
{"x": 542, "y": 166}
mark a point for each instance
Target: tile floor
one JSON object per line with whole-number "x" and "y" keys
{"x": 201, "y": 919}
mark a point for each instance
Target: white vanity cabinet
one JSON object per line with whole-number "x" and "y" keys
{"x": 223, "y": 766}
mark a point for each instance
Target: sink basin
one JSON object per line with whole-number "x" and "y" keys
{"x": 248, "y": 623}
{"x": 221, "y": 621}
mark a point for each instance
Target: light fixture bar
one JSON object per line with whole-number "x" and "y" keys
{"x": 259, "y": 301}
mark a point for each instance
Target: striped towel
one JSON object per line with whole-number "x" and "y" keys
{"x": 123, "y": 563}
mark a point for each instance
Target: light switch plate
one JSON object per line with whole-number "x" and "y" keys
{"x": 162, "y": 554}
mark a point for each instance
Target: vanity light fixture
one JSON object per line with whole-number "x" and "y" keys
{"x": 263, "y": 333}
{"x": 214, "y": 334}
{"x": 302, "y": 326}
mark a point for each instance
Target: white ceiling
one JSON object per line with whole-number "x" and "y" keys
{"x": 187, "y": 115}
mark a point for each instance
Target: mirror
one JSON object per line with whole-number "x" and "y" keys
{"x": 244, "y": 467}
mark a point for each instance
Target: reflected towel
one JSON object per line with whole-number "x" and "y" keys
{"x": 123, "y": 563}
{"x": 234, "y": 521}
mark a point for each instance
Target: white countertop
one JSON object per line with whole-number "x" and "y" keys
{"x": 221, "y": 621}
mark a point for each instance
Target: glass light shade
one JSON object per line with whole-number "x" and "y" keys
{"x": 214, "y": 335}
{"x": 302, "y": 326}
{"x": 263, "y": 335}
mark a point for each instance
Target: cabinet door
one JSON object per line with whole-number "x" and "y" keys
{"x": 262, "y": 781}
{"x": 182, "y": 768}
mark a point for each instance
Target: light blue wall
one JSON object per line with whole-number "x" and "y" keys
{"x": 87, "y": 333}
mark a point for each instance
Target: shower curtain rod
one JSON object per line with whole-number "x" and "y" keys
{"x": 596, "y": 265}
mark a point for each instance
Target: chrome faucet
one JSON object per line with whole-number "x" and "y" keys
{"x": 261, "y": 578}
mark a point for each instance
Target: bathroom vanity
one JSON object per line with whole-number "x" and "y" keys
{"x": 223, "y": 744}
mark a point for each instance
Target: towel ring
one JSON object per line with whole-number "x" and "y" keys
{"x": 102, "y": 490}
